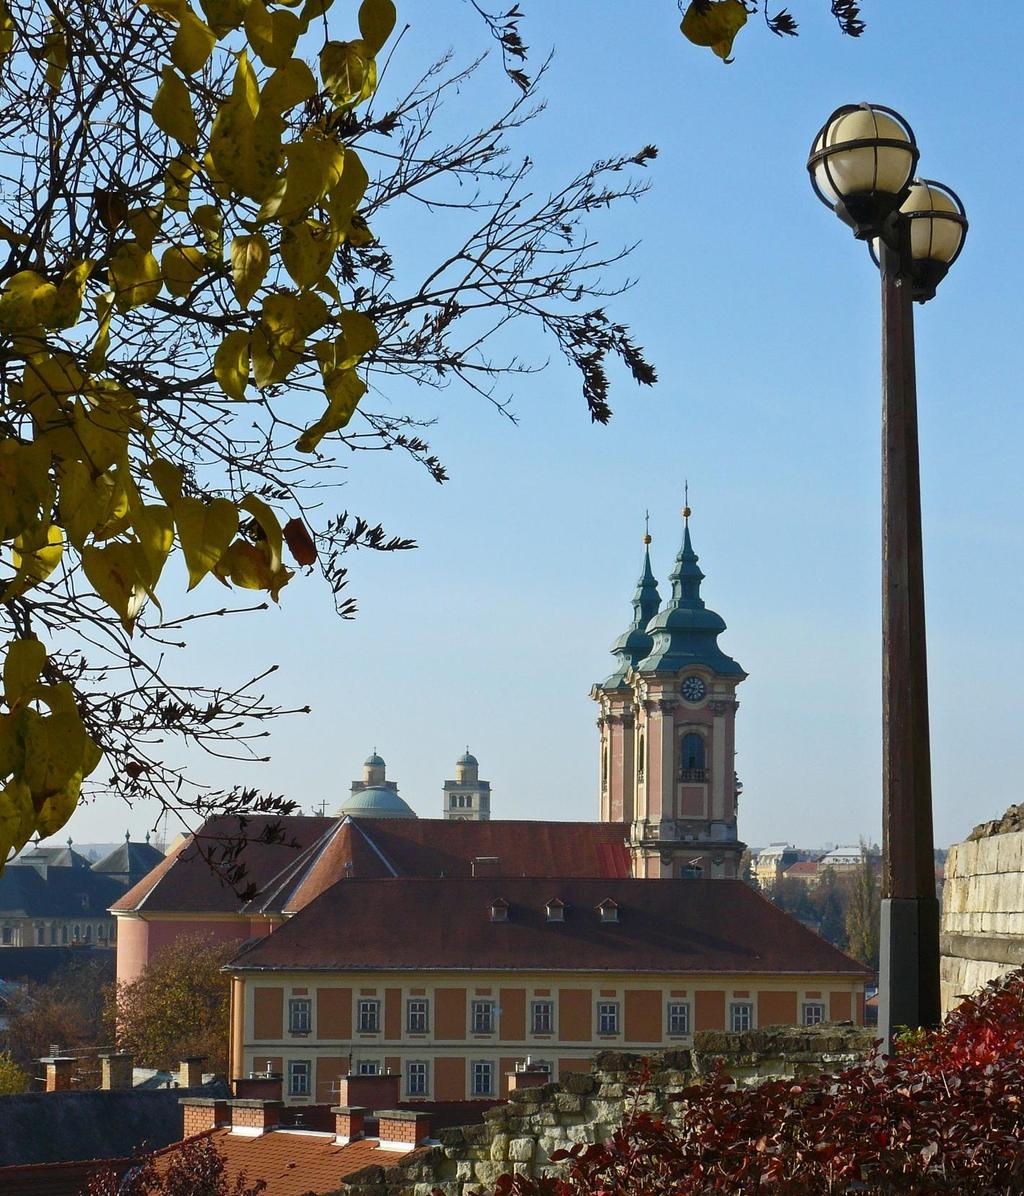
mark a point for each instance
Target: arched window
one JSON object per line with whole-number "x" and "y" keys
{"x": 604, "y": 767}
{"x": 691, "y": 757}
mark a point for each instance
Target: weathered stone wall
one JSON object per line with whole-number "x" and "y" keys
{"x": 983, "y": 907}
{"x": 522, "y": 1135}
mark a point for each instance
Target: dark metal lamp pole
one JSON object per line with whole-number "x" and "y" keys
{"x": 862, "y": 165}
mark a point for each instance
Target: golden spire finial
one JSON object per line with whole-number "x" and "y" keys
{"x": 647, "y": 527}
{"x": 686, "y": 501}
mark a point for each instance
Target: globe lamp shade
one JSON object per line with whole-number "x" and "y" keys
{"x": 938, "y": 226}
{"x": 861, "y": 164}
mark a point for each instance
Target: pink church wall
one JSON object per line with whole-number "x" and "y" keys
{"x": 139, "y": 940}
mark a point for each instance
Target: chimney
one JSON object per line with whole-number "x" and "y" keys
{"x": 487, "y": 865}
{"x": 116, "y": 1071}
{"x": 371, "y": 1092}
{"x": 528, "y": 1075}
{"x": 349, "y": 1123}
{"x": 260, "y": 1085}
{"x": 199, "y": 1114}
{"x": 190, "y": 1074}
{"x": 59, "y": 1070}
{"x": 402, "y": 1129}
{"x": 255, "y": 1117}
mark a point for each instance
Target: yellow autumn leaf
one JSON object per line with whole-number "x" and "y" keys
{"x": 231, "y": 364}
{"x": 307, "y": 250}
{"x": 358, "y": 337}
{"x": 193, "y": 43}
{"x": 344, "y": 389}
{"x": 291, "y": 84}
{"x": 211, "y": 224}
{"x": 54, "y": 750}
{"x": 134, "y": 276}
{"x": 27, "y": 301}
{"x": 178, "y": 181}
{"x": 348, "y": 71}
{"x": 348, "y": 192}
{"x": 26, "y": 492}
{"x": 80, "y": 505}
{"x": 376, "y": 21}
{"x": 714, "y": 23}
{"x": 313, "y": 168}
{"x": 272, "y": 35}
{"x": 6, "y": 45}
{"x": 245, "y": 143}
{"x": 270, "y": 526}
{"x": 172, "y": 108}
{"x": 182, "y": 265}
{"x": 204, "y": 531}
{"x": 145, "y": 223}
{"x": 35, "y": 554}
{"x": 223, "y": 15}
{"x": 104, "y": 310}
{"x": 22, "y": 665}
{"x": 70, "y": 291}
{"x": 113, "y": 572}
{"x": 247, "y": 565}
{"x": 250, "y": 259}
{"x": 17, "y": 817}
{"x": 167, "y": 478}
{"x": 154, "y": 525}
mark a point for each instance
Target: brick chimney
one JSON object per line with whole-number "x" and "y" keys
{"x": 528, "y": 1075}
{"x": 190, "y": 1074}
{"x": 116, "y": 1071}
{"x": 402, "y": 1129}
{"x": 371, "y": 1092}
{"x": 202, "y": 1113}
{"x": 349, "y": 1123}
{"x": 255, "y": 1117}
{"x": 59, "y": 1071}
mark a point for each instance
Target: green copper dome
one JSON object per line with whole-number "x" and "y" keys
{"x": 376, "y": 802}
{"x": 468, "y": 758}
{"x": 685, "y": 632}
{"x": 635, "y": 643}
{"x": 373, "y": 761}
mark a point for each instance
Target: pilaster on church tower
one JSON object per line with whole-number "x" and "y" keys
{"x": 668, "y": 735}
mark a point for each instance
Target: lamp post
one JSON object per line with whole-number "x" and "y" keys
{"x": 862, "y": 166}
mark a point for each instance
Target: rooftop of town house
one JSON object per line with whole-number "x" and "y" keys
{"x": 398, "y": 924}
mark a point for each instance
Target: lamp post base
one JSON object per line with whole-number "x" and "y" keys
{"x": 908, "y": 981}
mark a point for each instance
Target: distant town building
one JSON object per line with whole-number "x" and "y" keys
{"x": 467, "y": 797}
{"x": 772, "y": 861}
{"x": 55, "y": 897}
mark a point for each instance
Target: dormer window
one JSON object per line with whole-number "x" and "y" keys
{"x": 499, "y": 910}
{"x": 608, "y": 911}
{"x": 555, "y": 910}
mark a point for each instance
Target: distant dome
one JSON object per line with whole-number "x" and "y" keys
{"x": 374, "y": 761}
{"x": 466, "y": 758}
{"x": 376, "y": 802}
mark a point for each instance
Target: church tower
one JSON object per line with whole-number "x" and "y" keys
{"x": 467, "y": 798}
{"x": 668, "y": 740}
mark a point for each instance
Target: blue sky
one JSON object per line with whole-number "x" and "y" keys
{"x": 761, "y": 314}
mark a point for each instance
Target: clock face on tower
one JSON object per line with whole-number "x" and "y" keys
{"x": 693, "y": 689}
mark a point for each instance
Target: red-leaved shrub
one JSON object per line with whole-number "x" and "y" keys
{"x": 944, "y": 1115}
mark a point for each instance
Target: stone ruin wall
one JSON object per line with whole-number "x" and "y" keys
{"x": 983, "y": 907}
{"x": 522, "y": 1135}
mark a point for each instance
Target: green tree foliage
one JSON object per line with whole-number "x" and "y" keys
{"x": 13, "y": 1079}
{"x": 63, "y": 1014}
{"x": 199, "y": 309}
{"x": 177, "y": 1008}
{"x": 863, "y": 911}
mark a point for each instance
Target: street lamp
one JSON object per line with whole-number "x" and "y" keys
{"x": 862, "y": 165}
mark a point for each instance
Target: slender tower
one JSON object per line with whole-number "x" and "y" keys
{"x": 617, "y": 719}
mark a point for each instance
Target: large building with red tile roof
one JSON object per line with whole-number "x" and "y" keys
{"x": 447, "y": 950}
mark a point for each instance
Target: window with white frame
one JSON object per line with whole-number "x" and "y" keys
{"x": 481, "y": 1078}
{"x": 679, "y": 1017}
{"x": 368, "y": 1016}
{"x": 483, "y": 1017}
{"x": 299, "y": 1071}
{"x": 40, "y": 936}
{"x": 417, "y": 1015}
{"x": 368, "y": 1067}
{"x": 300, "y": 1015}
{"x": 813, "y": 1013}
{"x": 607, "y": 1017}
{"x": 417, "y": 1077}
{"x": 741, "y": 1015}
{"x": 542, "y": 1017}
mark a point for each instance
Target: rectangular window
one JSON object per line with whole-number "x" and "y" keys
{"x": 678, "y": 1017}
{"x": 542, "y": 1017}
{"x": 368, "y": 1017}
{"x": 6, "y": 936}
{"x": 483, "y": 1017}
{"x": 298, "y": 1077}
{"x": 814, "y": 1013}
{"x": 40, "y": 936}
{"x": 417, "y": 1016}
{"x": 417, "y": 1077}
{"x": 300, "y": 1015}
{"x": 608, "y": 1017}
{"x": 741, "y": 1015}
{"x": 482, "y": 1078}
{"x": 368, "y": 1067}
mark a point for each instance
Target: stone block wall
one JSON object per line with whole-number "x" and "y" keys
{"x": 521, "y": 1135}
{"x": 983, "y": 908}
